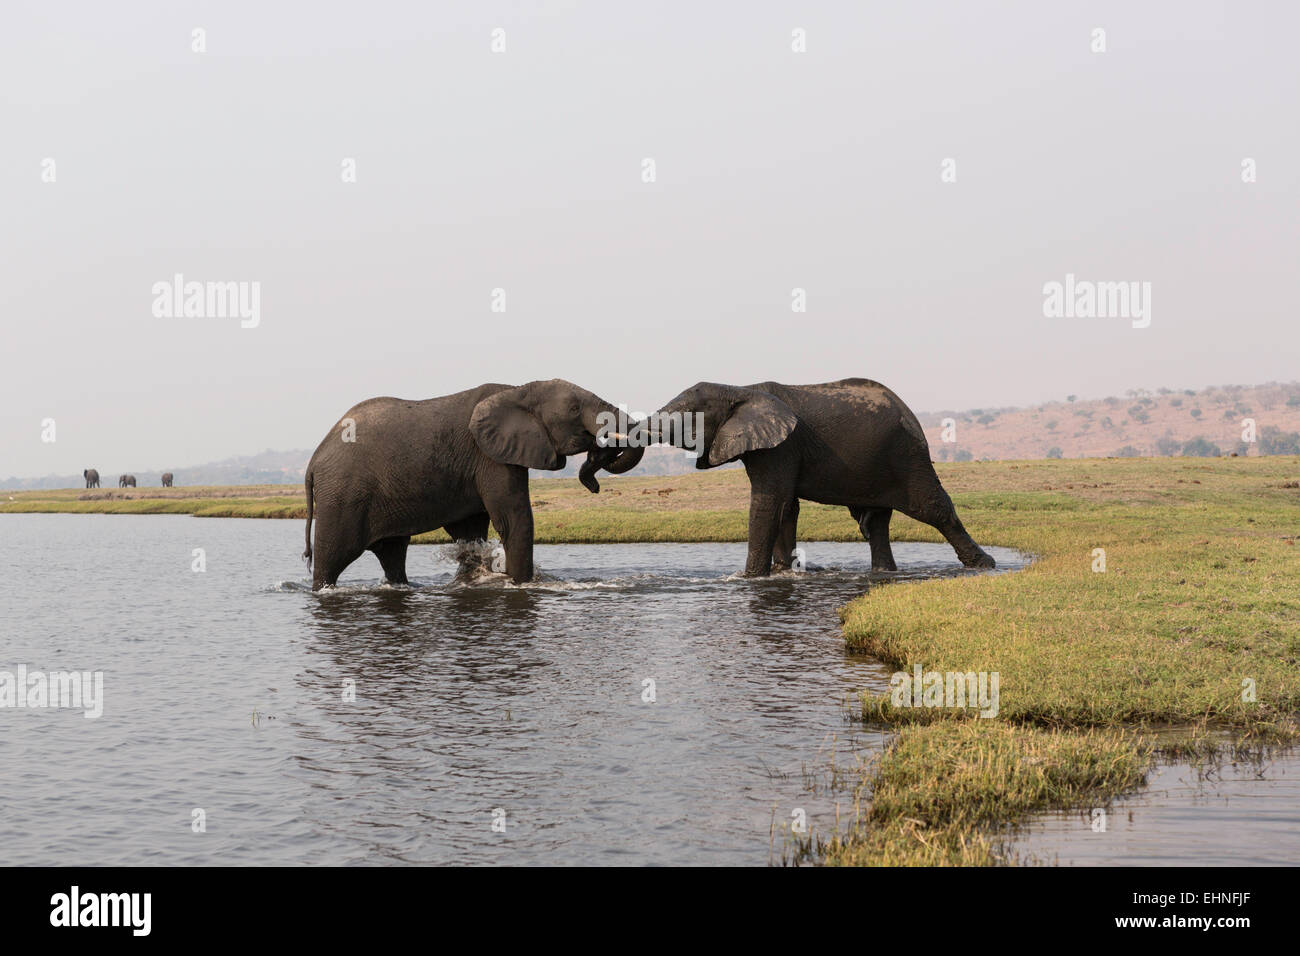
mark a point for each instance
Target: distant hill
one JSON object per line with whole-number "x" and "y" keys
{"x": 1165, "y": 422}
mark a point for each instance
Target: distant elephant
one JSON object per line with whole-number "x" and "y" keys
{"x": 126, "y": 481}
{"x": 851, "y": 443}
{"x": 391, "y": 468}
{"x": 91, "y": 476}
{"x": 167, "y": 479}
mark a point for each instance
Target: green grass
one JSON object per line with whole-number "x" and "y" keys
{"x": 946, "y": 796}
{"x": 1201, "y": 592}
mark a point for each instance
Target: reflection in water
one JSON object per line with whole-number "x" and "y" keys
{"x": 641, "y": 704}
{"x": 535, "y": 701}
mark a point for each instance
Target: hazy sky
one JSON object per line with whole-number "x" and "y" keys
{"x": 523, "y": 171}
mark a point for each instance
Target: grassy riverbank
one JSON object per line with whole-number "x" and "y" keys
{"x": 228, "y": 501}
{"x": 1199, "y": 602}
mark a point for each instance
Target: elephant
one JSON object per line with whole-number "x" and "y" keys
{"x": 126, "y": 481}
{"x": 851, "y": 442}
{"x": 167, "y": 479}
{"x": 91, "y": 476}
{"x": 391, "y": 468}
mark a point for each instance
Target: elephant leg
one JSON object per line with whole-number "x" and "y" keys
{"x": 512, "y": 516}
{"x": 337, "y": 543}
{"x": 783, "y": 551}
{"x": 515, "y": 526}
{"x": 765, "y": 515}
{"x": 933, "y": 507}
{"x": 391, "y": 553}
{"x": 772, "y": 482}
{"x": 874, "y": 525}
{"x": 328, "y": 564}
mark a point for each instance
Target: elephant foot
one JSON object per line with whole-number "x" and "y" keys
{"x": 883, "y": 566}
{"x": 982, "y": 559}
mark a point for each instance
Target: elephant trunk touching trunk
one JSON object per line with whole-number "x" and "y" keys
{"x": 615, "y": 459}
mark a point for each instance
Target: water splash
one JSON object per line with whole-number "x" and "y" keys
{"x": 477, "y": 562}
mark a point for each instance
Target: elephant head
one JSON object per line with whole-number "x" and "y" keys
{"x": 735, "y": 421}
{"x": 539, "y": 424}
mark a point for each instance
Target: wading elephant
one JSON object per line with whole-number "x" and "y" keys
{"x": 167, "y": 479}
{"x": 391, "y": 468}
{"x": 851, "y": 443}
{"x": 126, "y": 481}
{"x": 91, "y": 476}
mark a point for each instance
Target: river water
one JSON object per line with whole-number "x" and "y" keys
{"x": 248, "y": 721}
{"x": 1230, "y": 811}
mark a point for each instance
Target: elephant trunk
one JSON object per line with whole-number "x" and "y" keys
{"x": 587, "y": 473}
{"x": 627, "y": 459}
{"x": 616, "y": 458}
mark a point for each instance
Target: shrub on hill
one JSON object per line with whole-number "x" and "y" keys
{"x": 1198, "y": 447}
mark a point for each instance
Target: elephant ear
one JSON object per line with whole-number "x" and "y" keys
{"x": 759, "y": 421}
{"x": 508, "y": 432}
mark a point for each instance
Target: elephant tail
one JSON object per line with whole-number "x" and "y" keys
{"x": 306, "y": 555}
